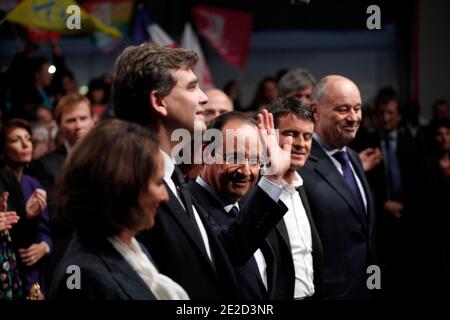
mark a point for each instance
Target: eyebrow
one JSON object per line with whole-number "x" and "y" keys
{"x": 288, "y": 130}
{"x": 192, "y": 82}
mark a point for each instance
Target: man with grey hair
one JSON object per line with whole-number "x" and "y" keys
{"x": 338, "y": 191}
{"x": 298, "y": 83}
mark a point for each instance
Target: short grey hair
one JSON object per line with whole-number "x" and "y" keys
{"x": 295, "y": 80}
{"x": 319, "y": 91}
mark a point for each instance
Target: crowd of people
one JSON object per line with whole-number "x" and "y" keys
{"x": 331, "y": 188}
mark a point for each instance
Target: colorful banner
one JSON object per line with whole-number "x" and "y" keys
{"x": 52, "y": 15}
{"x": 114, "y": 13}
{"x": 227, "y": 31}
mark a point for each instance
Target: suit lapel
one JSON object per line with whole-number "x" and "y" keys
{"x": 269, "y": 256}
{"x": 317, "y": 243}
{"x": 174, "y": 207}
{"x": 124, "y": 274}
{"x": 281, "y": 228}
{"x": 328, "y": 171}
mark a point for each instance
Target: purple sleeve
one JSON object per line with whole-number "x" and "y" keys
{"x": 33, "y": 276}
{"x": 29, "y": 184}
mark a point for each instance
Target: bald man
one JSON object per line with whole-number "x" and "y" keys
{"x": 218, "y": 104}
{"x": 338, "y": 191}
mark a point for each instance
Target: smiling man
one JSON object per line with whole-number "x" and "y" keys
{"x": 338, "y": 191}
{"x": 221, "y": 186}
{"x": 297, "y": 244}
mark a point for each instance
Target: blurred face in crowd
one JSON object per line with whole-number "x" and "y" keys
{"x": 97, "y": 95}
{"x": 443, "y": 138}
{"x": 18, "y": 146}
{"x": 155, "y": 194}
{"x": 184, "y": 104}
{"x": 40, "y": 145}
{"x": 338, "y": 114}
{"x": 69, "y": 85}
{"x": 388, "y": 115}
{"x": 301, "y": 131}
{"x": 443, "y": 111}
{"x": 304, "y": 96}
{"x": 239, "y": 170}
{"x": 43, "y": 77}
{"x": 270, "y": 90}
{"x": 218, "y": 103}
{"x": 44, "y": 115}
{"x": 76, "y": 122}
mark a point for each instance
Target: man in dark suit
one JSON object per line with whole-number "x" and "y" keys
{"x": 299, "y": 249}
{"x": 221, "y": 186}
{"x": 156, "y": 87}
{"x": 394, "y": 183}
{"x": 338, "y": 192}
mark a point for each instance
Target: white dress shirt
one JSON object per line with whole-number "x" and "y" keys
{"x": 330, "y": 151}
{"x": 299, "y": 231}
{"x": 169, "y": 167}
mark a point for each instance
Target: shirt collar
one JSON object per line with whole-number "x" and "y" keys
{"x": 291, "y": 187}
{"x": 391, "y": 134}
{"x": 67, "y": 146}
{"x": 326, "y": 147}
{"x": 169, "y": 165}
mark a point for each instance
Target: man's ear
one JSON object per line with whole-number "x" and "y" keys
{"x": 315, "y": 110}
{"x": 157, "y": 103}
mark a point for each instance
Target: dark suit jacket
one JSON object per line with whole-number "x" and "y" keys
{"x": 347, "y": 233}
{"x": 409, "y": 162}
{"x": 104, "y": 273}
{"x": 46, "y": 169}
{"x": 177, "y": 247}
{"x": 279, "y": 239}
{"x": 248, "y": 276}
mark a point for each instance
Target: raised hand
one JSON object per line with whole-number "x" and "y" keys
{"x": 370, "y": 158}
{"x": 277, "y": 160}
{"x": 4, "y": 201}
{"x": 7, "y": 220}
{"x": 36, "y": 204}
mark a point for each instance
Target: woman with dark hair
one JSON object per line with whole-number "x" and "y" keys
{"x": 16, "y": 148}
{"x": 108, "y": 190}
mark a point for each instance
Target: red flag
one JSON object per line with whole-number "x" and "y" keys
{"x": 227, "y": 31}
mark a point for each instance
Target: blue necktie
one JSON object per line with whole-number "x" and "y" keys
{"x": 344, "y": 160}
{"x": 234, "y": 211}
{"x": 393, "y": 171}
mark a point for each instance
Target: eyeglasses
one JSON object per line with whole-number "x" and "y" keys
{"x": 237, "y": 160}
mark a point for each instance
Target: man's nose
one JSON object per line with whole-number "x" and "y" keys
{"x": 203, "y": 98}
